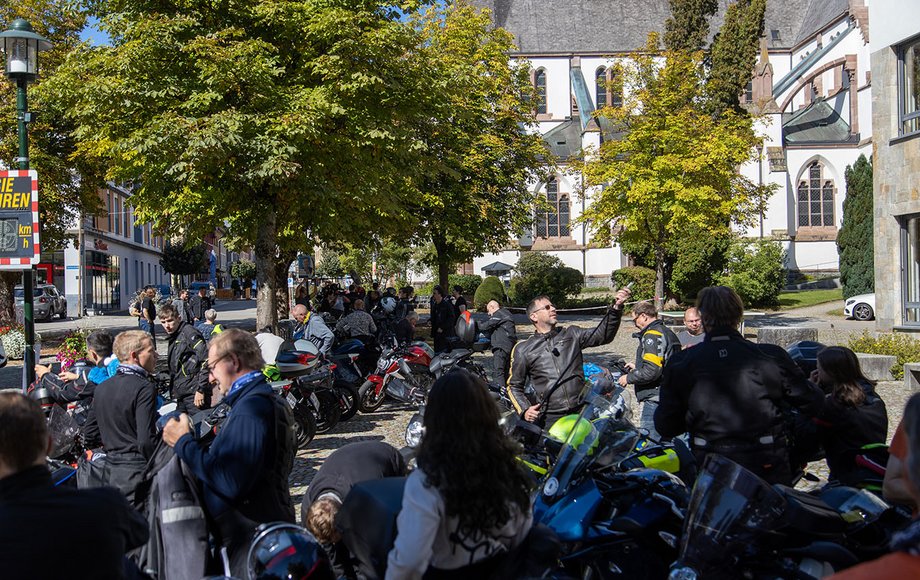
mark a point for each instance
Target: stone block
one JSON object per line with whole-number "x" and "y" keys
{"x": 876, "y": 367}
{"x": 912, "y": 377}
{"x": 785, "y": 335}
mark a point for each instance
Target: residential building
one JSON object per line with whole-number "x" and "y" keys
{"x": 895, "y": 55}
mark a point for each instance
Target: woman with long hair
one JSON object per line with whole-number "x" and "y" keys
{"x": 469, "y": 499}
{"x": 853, "y": 415}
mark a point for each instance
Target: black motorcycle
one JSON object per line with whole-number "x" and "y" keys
{"x": 739, "y": 526}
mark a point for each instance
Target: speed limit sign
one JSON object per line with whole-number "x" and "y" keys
{"x": 19, "y": 245}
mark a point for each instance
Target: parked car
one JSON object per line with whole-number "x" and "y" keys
{"x": 47, "y": 302}
{"x": 166, "y": 293}
{"x": 212, "y": 292}
{"x": 860, "y": 307}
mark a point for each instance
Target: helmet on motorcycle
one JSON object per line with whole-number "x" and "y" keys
{"x": 575, "y": 430}
{"x": 285, "y": 551}
{"x": 388, "y": 303}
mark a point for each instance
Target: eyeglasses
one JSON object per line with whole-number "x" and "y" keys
{"x": 213, "y": 364}
{"x": 549, "y": 307}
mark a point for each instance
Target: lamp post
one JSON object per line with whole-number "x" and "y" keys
{"x": 22, "y": 45}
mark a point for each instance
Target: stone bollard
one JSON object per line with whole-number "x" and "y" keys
{"x": 876, "y": 367}
{"x": 785, "y": 335}
{"x": 912, "y": 377}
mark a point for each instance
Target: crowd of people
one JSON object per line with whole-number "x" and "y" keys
{"x": 467, "y": 503}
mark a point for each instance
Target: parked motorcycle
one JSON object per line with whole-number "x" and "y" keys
{"x": 403, "y": 372}
{"x": 739, "y": 526}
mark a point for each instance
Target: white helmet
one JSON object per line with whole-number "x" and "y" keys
{"x": 388, "y": 303}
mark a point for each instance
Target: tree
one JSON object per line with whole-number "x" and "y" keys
{"x": 855, "y": 240}
{"x": 180, "y": 259}
{"x": 329, "y": 265}
{"x": 755, "y": 271}
{"x": 733, "y": 55}
{"x": 674, "y": 170}
{"x": 279, "y": 119}
{"x": 68, "y": 185}
{"x": 244, "y": 270}
{"x": 538, "y": 273}
{"x": 479, "y": 158}
{"x": 687, "y": 29}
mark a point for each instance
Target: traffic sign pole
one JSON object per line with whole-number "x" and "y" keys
{"x": 22, "y": 107}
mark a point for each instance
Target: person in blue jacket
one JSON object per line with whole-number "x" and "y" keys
{"x": 244, "y": 473}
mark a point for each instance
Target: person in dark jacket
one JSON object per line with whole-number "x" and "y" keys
{"x": 345, "y": 467}
{"x": 148, "y": 312}
{"x": 853, "y": 415}
{"x": 70, "y": 387}
{"x": 732, "y": 395}
{"x": 101, "y": 525}
{"x": 186, "y": 359}
{"x": 503, "y": 337}
{"x": 443, "y": 320}
{"x": 183, "y": 307}
{"x": 244, "y": 473}
{"x": 200, "y": 303}
{"x": 405, "y": 328}
{"x": 656, "y": 345}
{"x": 552, "y": 358}
{"x": 123, "y": 416}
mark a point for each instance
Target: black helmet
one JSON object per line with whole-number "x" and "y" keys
{"x": 283, "y": 551}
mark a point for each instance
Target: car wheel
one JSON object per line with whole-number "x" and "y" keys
{"x": 863, "y": 311}
{"x": 63, "y": 314}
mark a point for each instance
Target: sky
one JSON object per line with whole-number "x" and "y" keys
{"x": 92, "y": 34}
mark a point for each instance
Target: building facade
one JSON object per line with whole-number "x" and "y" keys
{"x": 895, "y": 58}
{"x": 811, "y": 90}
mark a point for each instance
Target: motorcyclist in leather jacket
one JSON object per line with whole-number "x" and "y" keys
{"x": 733, "y": 396}
{"x": 554, "y": 355}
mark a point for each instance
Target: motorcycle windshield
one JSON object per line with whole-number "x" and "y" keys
{"x": 729, "y": 506}
{"x": 600, "y": 429}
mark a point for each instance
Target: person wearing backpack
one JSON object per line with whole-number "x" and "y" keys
{"x": 244, "y": 473}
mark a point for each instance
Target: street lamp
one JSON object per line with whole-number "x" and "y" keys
{"x": 22, "y": 45}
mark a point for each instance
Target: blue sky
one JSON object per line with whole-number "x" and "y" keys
{"x": 92, "y": 34}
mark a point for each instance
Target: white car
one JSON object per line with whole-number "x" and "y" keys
{"x": 860, "y": 307}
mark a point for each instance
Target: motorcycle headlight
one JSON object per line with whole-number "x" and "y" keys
{"x": 414, "y": 432}
{"x": 683, "y": 573}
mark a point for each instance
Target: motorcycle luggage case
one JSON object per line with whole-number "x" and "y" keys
{"x": 448, "y": 358}
{"x": 367, "y": 521}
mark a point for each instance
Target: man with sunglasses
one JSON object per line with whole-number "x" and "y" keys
{"x": 551, "y": 360}
{"x": 244, "y": 473}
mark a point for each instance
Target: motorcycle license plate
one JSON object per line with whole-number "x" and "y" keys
{"x": 292, "y": 400}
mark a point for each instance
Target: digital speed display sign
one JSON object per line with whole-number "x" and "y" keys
{"x": 19, "y": 246}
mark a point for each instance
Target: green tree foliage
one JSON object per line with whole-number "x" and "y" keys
{"x": 733, "y": 55}
{"x": 755, "y": 271}
{"x": 674, "y": 170}
{"x": 642, "y": 279}
{"x": 855, "y": 240}
{"x": 491, "y": 289}
{"x": 330, "y": 265}
{"x": 479, "y": 157}
{"x": 180, "y": 259}
{"x": 244, "y": 270}
{"x": 698, "y": 262}
{"x": 281, "y": 119}
{"x": 687, "y": 29}
{"x": 539, "y": 273}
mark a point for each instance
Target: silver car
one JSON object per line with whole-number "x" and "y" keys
{"x": 46, "y": 300}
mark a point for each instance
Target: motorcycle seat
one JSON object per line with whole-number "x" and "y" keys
{"x": 447, "y": 358}
{"x": 810, "y": 514}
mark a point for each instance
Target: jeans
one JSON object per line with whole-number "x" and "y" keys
{"x": 147, "y": 327}
{"x": 647, "y": 416}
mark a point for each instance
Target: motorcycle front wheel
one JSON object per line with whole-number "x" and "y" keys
{"x": 348, "y": 400}
{"x": 369, "y": 401}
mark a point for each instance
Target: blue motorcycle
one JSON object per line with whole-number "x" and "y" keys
{"x": 613, "y": 523}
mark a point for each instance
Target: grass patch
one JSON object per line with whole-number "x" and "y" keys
{"x": 835, "y": 312}
{"x": 789, "y": 300}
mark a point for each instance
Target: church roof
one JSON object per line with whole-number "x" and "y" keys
{"x": 618, "y": 26}
{"x": 816, "y": 123}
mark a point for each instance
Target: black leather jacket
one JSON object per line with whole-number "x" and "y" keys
{"x": 543, "y": 358}
{"x": 730, "y": 390}
{"x": 186, "y": 357}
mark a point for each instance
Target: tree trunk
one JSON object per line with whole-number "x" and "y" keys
{"x": 443, "y": 265}
{"x": 281, "y": 291}
{"x": 266, "y": 281}
{"x": 659, "y": 279}
{"x": 8, "y": 281}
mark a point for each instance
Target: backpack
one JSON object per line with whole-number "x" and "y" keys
{"x": 135, "y": 309}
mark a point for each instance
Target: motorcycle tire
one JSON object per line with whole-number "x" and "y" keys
{"x": 368, "y": 401}
{"x": 348, "y": 400}
{"x": 304, "y": 426}
{"x": 328, "y": 414}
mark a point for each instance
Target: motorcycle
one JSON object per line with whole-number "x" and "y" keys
{"x": 402, "y": 372}
{"x": 612, "y": 522}
{"x": 739, "y": 526}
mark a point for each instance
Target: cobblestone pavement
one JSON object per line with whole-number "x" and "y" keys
{"x": 389, "y": 423}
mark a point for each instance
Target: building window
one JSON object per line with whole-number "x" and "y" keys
{"x": 554, "y": 221}
{"x": 909, "y": 87}
{"x": 816, "y": 198}
{"x": 748, "y": 92}
{"x": 539, "y": 81}
{"x": 609, "y": 91}
{"x": 910, "y": 266}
